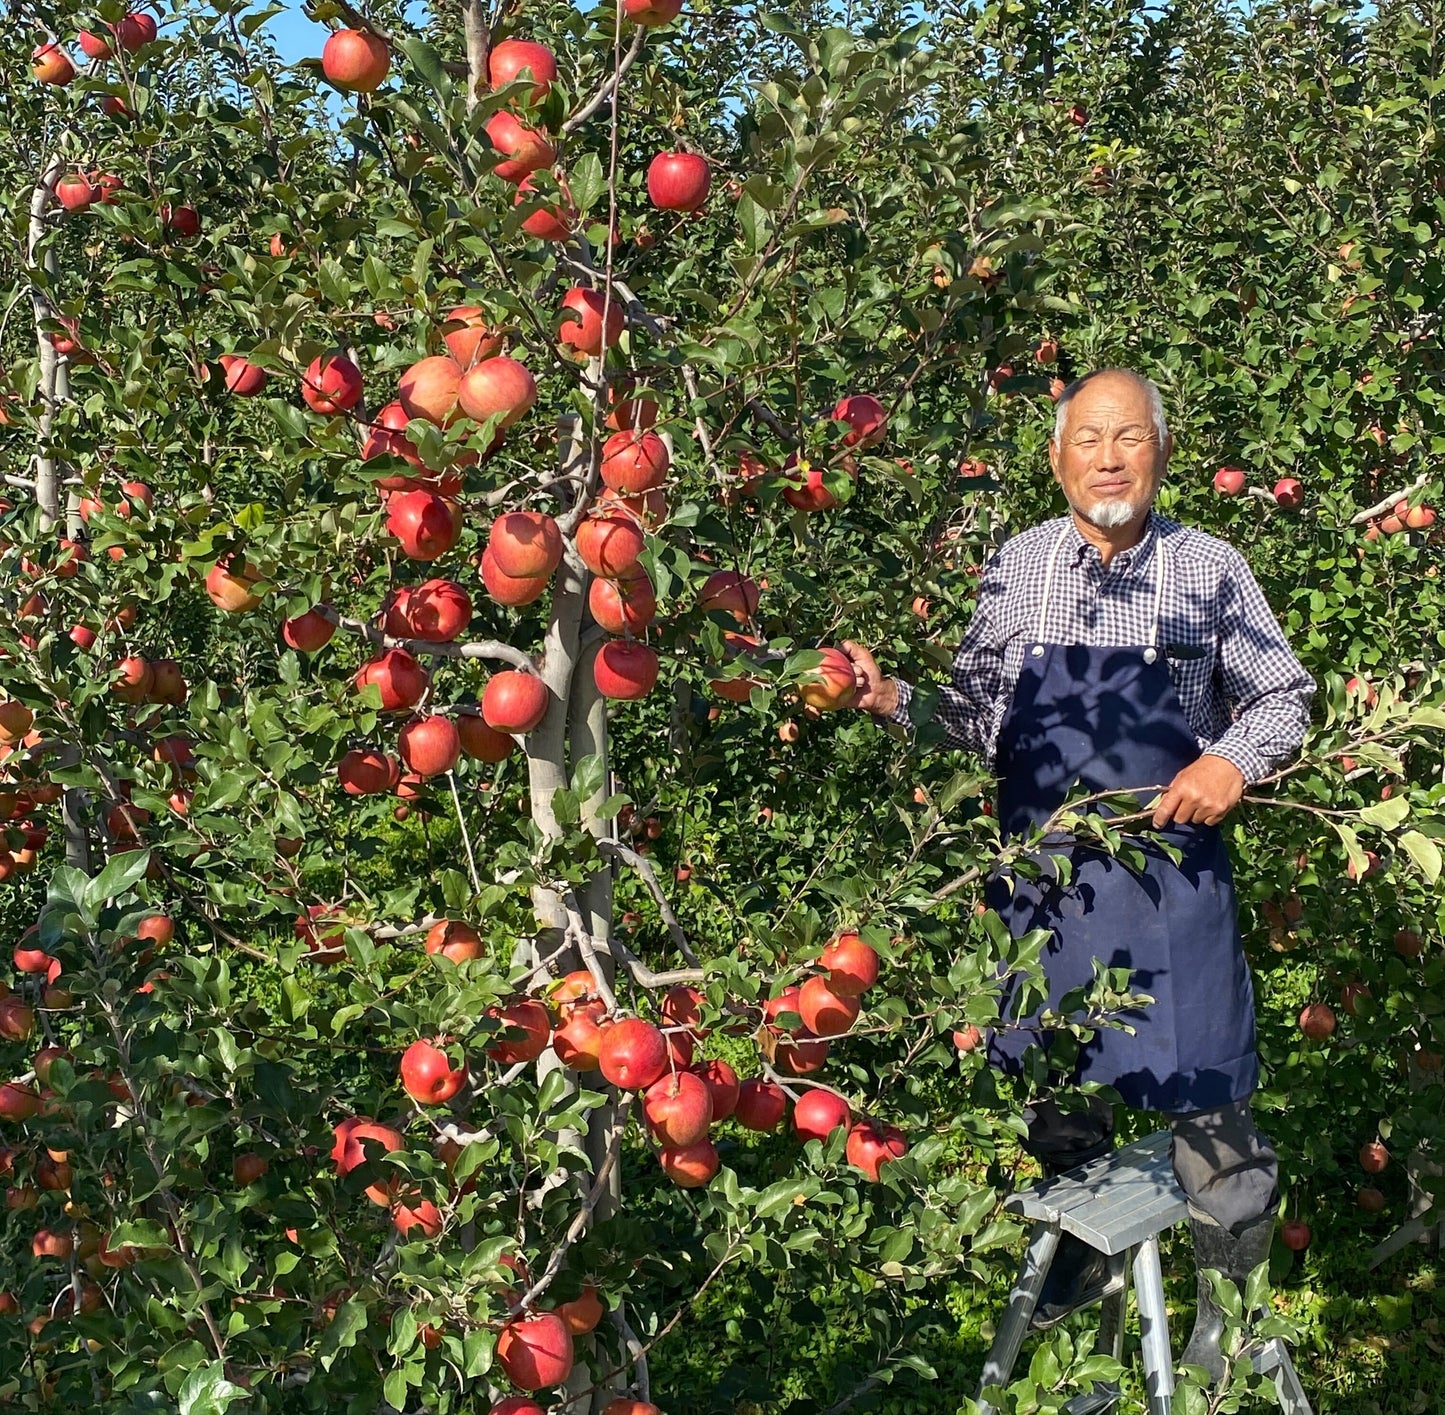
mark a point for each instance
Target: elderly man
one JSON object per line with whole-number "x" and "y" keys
{"x": 1115, "y": 650}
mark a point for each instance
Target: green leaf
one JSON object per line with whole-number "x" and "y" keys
{"x": 779, "y": 1197}
{"x": 349, "y": 1322}
{"x": 1424, "y": 852}
{"x": 477, "y": 1348}
{"x": 119, "y": 875}
{"x": 586, "y": 181}
{"x": 207, "y": 1391}
{"x": 427, "y": 61}
{"x": 1386, "y": 814}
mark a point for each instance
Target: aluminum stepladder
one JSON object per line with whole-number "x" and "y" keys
{"x": 1119, "y": 1204}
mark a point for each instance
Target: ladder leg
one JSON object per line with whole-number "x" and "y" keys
{"x": 1009, "y": 1339}
{"x": 1110, "y": 1341}
{"x": 1292, "y": 1399}
{"x": 1154, "y": 1326}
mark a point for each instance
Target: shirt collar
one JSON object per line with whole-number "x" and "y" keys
{"x": 1126, "y": 560}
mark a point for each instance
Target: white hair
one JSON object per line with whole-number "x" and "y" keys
{"x": 1149, "y": 387}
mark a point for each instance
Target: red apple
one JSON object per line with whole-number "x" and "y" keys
{"x": 514, "y": 702}
{"x": 18, "y": 1102}
{"x": 820, "y": 1112}
{"x": 481, "y": 742}
{"x": 582, "y": 329}
{"x": 135, "y": 30}
{"x": 1229, "y": 481}
{"x": 523, "y": 149}
{"x": 535, "y": 1351}
{"x": 367, "y": 772}
{"x": 634, "y": 461}
{"x": 678, "y": 1109}
{"x": 731, "y": 592}
{"x": 1374, "y": 1157}
{"x": 230, "y": 586}
{"x": 633, "y": 1054}
{"x": 366, "y": 1139}
{"x": 582, "y": 1313}
{"x": 308, "y": 632}
{"x": 528, "y": 1016}
{"x": 509, "y": 59}
{"x": 425, "y": 525}
{"x": 1317, "y": 1021}
{"x": 549, "y": 220}
{"x": 1289, "y": 494}
{"x": 678, "y": 181}
{"x": 415, "y": 1216}
{"x": 183, "y": 221}
{"x": 454, "y": 940}
{"x": 430, "y": 746}
{"x": 400, "y": 678}
{"x": 866, "y": 417}
{"x": 472, "y": 340}
{"x": 76, "y": 192}
{"x": 52, "y": 65}
{"x": 429, "y": 389}
{"x": 830, "y": 685}
{"x": 1295, "y": 1235}
{"x": 625, "y": 669}
{"x": 578, "y": 1041}
{"x": 722, "y": 1084}
{"x": 331, "y": 384}
{"x": 525, "y": 544}
{"x": 609, "y": 541}
{"x": 243, "y": 378}
{"x": 507, "y": 590}
{"x": 626, "y": 604}
{"x": 427, "y": 1074}
{"x": 651, "y": 12}
{"x": 95, "y": 46}
{"x": 355, "y": 60}
{"x": 689, "y": 1166}
{"x": 852, "y": 964}
{"x": 870, "y": 1146}
{"x": 824, "y": 1012}
{"x": 497, "y": 386}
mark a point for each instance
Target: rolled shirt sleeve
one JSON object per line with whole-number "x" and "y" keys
{"x": 1267, "y": 685}
{"x": 967, "y": 703}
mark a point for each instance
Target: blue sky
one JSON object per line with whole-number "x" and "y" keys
{"x": 295, "y": 36}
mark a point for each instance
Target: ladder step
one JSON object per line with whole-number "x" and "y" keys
{"x": 1095, "y": 1402}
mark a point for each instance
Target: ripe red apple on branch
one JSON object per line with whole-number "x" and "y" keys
{"x": 427, "y": 1073}
{"x": 513, "y": 59}
{"x": 356, "y": 61}
{"x": 1229, "y": 481}
{"x": 535, "y": 1351}
{"x": 820, "y": 1112}
{"x": 678, "y": 181}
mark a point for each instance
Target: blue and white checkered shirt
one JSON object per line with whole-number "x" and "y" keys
{"x": 1243, "y": 691}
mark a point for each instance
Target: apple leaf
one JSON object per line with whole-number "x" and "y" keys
{"x": 120, "y": 873}
{"x": 1386, "y": 814}
{"x": 342, "y": 1331}
{"x": 1353, "y": 849}
{"x": 1424, "y": 852}
{"x": 208, "y": 1392}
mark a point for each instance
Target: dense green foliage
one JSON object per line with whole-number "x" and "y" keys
{"x": 1243, "y": 207}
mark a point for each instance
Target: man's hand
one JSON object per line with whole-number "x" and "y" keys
{"x": 873, "y": 692}
{"x": 1202, "y": 794}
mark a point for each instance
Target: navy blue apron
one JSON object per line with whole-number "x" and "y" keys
{"x": 1110, "y": 720}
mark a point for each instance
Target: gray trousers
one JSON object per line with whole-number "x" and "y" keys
{"x": 1226, "y": 1167}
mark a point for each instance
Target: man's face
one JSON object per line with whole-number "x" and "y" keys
{"x": 1111, "y": 461}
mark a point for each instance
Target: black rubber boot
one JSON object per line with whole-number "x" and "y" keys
{"x": 1236, "y": 1256}
{"x": 1079, "y": 1274}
